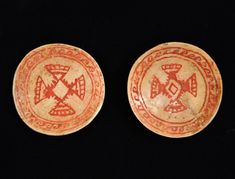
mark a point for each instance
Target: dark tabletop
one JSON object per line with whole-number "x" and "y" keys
{"x": 116, "y": 144}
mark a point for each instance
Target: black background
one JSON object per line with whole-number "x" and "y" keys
{"x": 115, "y": 144}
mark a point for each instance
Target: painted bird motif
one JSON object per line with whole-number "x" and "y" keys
{"x": 173, "y": 88}
{"x": 60, "y": 89}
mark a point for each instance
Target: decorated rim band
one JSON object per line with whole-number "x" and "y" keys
{"x": 175, "y": 89}
{"x": 58, "y": 89}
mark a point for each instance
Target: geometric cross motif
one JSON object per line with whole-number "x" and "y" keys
{"x": 60, "y": 89}
{"x": 173, "y": 88}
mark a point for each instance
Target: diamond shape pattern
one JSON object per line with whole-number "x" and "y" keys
{"x": 60, "y": 90}
{"x": 173, "y": 88}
